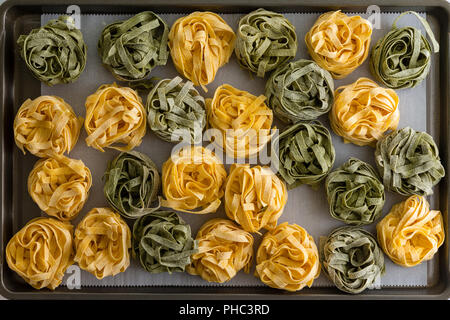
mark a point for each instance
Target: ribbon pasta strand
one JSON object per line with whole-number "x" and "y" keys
{"x": 162, "y": 242}
{"x": 402, "y": 58}
{"x": 411, "y": 233}
{"x": 287, "y": 258}
{"x": 115, "y": 118}
{"x": 130, "y": 49}
{"x": 55, "y": 53}
{"x": 60, "y": 186}
{"x": 102, "y": 240}
{"x": 352, "y": 259}
{"x": 339, "y": 43}
{"x": 41, "y": 252}
{"x": 363, "y": 112}
{"x": 132, "y": 184}
{"x": 46, "y": 127}
{"x": 223, "y": 250}
{"x": 409, "y": 162}
{"x": 193, "y": 181}
{"x": 265, "y": 40}
{"x": 176, "y": 111}
{"x": 243, "y": 121}
{"x": 200, "y": 44}
{"x": 254, "y": 197}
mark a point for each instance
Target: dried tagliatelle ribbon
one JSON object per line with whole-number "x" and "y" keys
{"x": 46, "y": 126}
{"x": 243, "y": 121}
{"x": 287, "y": 258}
{"x": 130, "y": 49}
{"x": 223, "y": 250}
{"x": 265, "y": 40}
{"x": 176, "y": 111}
{"x": 254, "y": 197}
{"x": 55, "y": 53}
{"x": 193, "y": 181}
{"x": 411, "y": 233}
{"x": 102, "y": 240}
{"x": 115, "y": 118}
{"x": 363, "y": 112}
{"x": 339, "y": 43}
{"x": 200, "y": 44}
{"x": 132, "y": 184}
{"x": 60, "y": 186}
{"x": 41, "y": 252}
{"x": 352, "y": 259}
{"x": 162, "y": 242}
{"x": 354, "y": 192}
{"x": 409, "y": 162}
{"x": 300, "y": 90}
{"x": 305, "y": 154}
{"x": 402, "y": 58}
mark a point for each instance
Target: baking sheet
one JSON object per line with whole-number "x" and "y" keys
{"x": 305, "y": 206}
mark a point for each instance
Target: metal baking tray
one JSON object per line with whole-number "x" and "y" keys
{"x": 17, "y": 84}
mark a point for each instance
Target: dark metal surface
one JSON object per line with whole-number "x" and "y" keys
{"x": 16, "y": 84}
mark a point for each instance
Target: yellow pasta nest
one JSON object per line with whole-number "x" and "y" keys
{"x": 41, "y": 252}
{"x": 115, "y": 118}
{"x": 60, "y": 186}
{"x": 411, "y": 233}
{"x": 223, "y": 250}
{"x": 287, "y": 258}
{"x": 339, "y": 43}
{"x": 200, "y": 44}
{"x": 363, "y": 112}
{"x": 102, "y": 241}
{"x": 193, "y": 178}
{"x": 46, "y": 126}
{"x": 243, "y": 121}
{"x": 254, "y": 197}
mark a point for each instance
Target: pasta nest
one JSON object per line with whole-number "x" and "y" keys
{"x": 55, "y": 53}
{"x": 411, "y": 233}
{"x": 339, "y": 43}
{"x": 265, "y": 40}
{"x": 41, "y": 252}
{"x": 363, "y": 112}
{"x": 352, "y": 259}
{"x": 409, "y": 162}
{"x": 287, "y": 258}
{"x": 193, "y": 178}
{"x": 46, "y": 126}
{"x": 242, "y": 121}
{"x": 115, "y": 118}
{"x": 254, "y": 197}
{"x": 223, "y": 250}
{"x": 354, "y": 192}
{"x": 300, "y": 90}
{"x": 200, "y": 44}
{"x": 102, "y": 240}
{"x": 60, "y": 186}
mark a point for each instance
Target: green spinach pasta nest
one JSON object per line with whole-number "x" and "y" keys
{"x": 305, "y": 154}
{"x": 176, "y": 111}
{"x": 352, "y": 259}
{"x": 402, "y": 58}
{"x": 300, "y": 90}
{"x": 265, "y": 40}
{"x": 55, "y": 53}
{"x": 132, "y": 184}
{"x": 409, "y": 162}
{"x": 354, "y": 192}
{"x": 162, "y": 242}
{"x": 130, "y": 49}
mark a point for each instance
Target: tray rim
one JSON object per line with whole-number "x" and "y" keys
{"x": 219, "y": 293}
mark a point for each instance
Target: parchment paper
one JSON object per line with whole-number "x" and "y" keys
{"x": 305, "y": 206}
